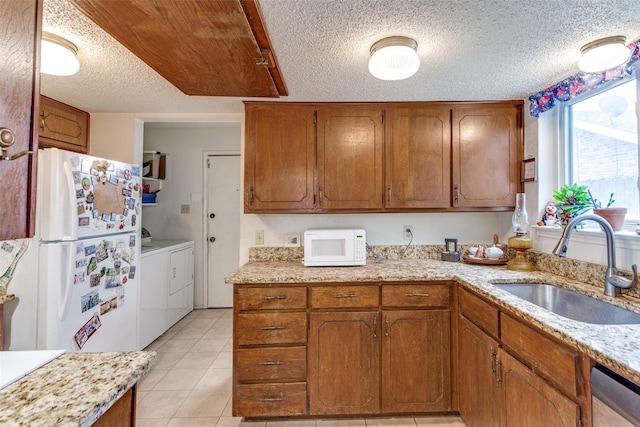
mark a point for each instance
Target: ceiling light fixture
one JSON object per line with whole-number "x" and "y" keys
{"x": 603, "y": 54}
{"x": 394, "y": 58}
{"x": 58, "y": 56}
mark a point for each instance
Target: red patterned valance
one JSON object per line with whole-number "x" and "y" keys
{"x": 581, "y": 83}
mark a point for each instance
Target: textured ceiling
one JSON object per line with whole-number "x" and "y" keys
{"x": 469, "y": 50}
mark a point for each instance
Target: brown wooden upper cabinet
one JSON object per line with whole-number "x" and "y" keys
{"x": 20, "y": 30}
{"x": 418, "y": 156}
{"x": 349, "y": 158}
{"x": 62, "y": 126}
{"x": 487, "y": 150}
{"x": 383, "y": 157}
{"x": 279, "y": 158}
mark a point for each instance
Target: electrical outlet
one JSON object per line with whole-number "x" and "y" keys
{"x": 259, "y": 237}
{"x": 407, "y": 232}
{"x": 185, "y": 209}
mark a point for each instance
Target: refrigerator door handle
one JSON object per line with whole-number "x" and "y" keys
{"x": 73, "y": 213}
{"x": 67, "y": 283}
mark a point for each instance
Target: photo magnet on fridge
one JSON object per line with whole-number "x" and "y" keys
{"x": 94, "y": 280}
{"x": 90, "y": 300}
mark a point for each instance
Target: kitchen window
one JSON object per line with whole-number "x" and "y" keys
{"x": 601, "y": 143}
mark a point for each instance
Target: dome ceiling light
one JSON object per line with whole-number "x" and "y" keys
{"x": 394, "y": 58}
{"x": 603, "y": 54}
{"x": 58, "y": 56}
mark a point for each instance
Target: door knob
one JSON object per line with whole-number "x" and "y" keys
{"x": 7, "y": 138}
{"x": 212, "y": 215}
{"x": 212, "y": 239}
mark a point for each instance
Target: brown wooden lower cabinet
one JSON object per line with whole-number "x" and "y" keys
{"x": 519, "y": 378}
{"x": 122, "y": 413}
{"x": 356, "y": 349}
{"x": 478, "y": 388}
{"x": 528, "y": 400}
{"x": 273, "y": 399}
{"x": 416, "y": 361}
{"x": 344, "y": 363}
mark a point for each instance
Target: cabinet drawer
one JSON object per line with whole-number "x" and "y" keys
{"x": 415, "y": 295}
{"x": 479, "y": 312}
{"x": 288, "y": 363}
{"x": 265, "y": 400}
{"x": 271, "y": 328}
{"x": 270, "y": 298}
{"x": 344, "y": 296}
{"x": 549, "y": 359}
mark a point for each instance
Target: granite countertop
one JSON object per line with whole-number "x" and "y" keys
{"x": 615, "y": 346}
{"x": 74, "y": 389}
{"x": 5, "y": 298}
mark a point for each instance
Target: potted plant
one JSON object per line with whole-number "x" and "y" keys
{"x": 614, "y": 216}
{"x": 571, "y": 201}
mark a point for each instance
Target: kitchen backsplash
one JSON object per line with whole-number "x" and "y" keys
{"x": 582, "y": 271}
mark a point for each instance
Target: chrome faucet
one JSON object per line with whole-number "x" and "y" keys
{"x": 612, "y": 281}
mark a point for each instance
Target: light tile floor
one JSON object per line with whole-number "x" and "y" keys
{"x": 190, "y": 384}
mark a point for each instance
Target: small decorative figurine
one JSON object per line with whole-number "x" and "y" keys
{"x": 550, "y": 216}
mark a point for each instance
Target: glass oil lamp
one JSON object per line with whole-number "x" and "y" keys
{"x": 521, "y": 242}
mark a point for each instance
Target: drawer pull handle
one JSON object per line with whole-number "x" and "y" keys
{"x": 272, "y": 399}
{"x": 272, "y": 328}
{"x": 347, "y": 296}
{"x": 271, "y": 363}
{"x": 270, "y": 298}
{"x": 416, "y": 295}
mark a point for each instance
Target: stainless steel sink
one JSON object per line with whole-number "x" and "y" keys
{"x": 571, "y": 304}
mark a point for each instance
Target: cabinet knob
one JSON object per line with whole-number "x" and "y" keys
{"x": 212, "y": 215}
{"x": 212, "y": 239}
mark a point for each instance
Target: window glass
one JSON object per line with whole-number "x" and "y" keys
{"x": 602, "y": 133}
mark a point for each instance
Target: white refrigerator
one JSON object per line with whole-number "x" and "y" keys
{"x": 88, "y": 219}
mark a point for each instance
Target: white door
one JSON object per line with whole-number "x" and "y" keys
{"x": 223, "y": 226}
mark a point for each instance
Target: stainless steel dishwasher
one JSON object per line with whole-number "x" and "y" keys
{"x": 616, "y": 400}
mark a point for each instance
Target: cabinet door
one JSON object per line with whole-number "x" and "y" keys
{"x": 279, "y": 158}
{"x": 487, "y": 149}
{"x": 349, "y": 160}
{"x": 20, "y": 26}
{"x": 63, "y": 126}
{"x": 344, "y": 363}
{"x": 529, "y": 401}
{"x": 478, "y": 385}
{"x": 418, "y": 157}
{"x": 416, "y": 361}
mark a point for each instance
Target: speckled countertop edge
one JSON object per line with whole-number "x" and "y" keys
{"x": 74, "y": 389}
{"x": 5, "y": 298}
{"x": 615, "y": 346}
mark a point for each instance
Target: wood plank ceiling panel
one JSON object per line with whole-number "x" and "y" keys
{"x": 208, "y": 48}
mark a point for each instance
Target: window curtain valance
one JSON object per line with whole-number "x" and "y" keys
{"x": 580, "y": 83}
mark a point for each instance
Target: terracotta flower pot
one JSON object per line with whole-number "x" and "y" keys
{"x": 614, "y": 216}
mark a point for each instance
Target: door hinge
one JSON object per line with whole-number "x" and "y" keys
{"x": 208, "y": 163}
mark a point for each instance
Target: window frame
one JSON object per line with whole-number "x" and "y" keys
{"x": 565, "y": 114}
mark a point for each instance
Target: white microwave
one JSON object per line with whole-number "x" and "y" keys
{"x": 335, "y": 247}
